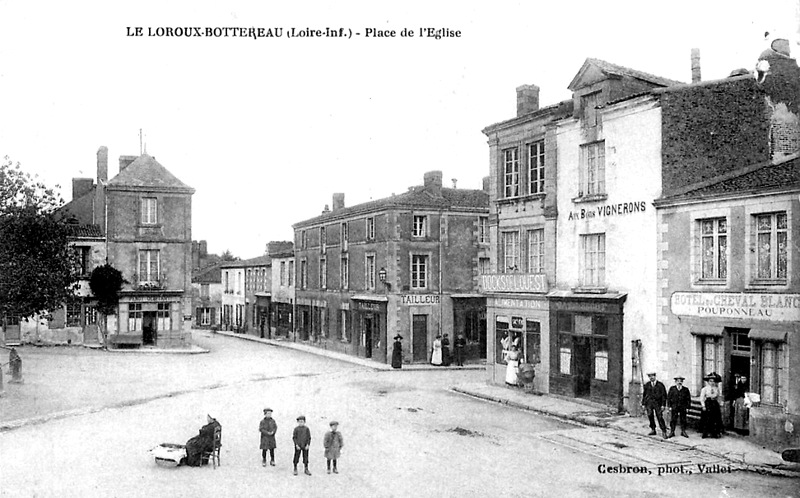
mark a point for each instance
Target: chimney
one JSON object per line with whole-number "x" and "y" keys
{"x": 338, "y": 201}
{"x": 486, "y": 180}
{"x": 125, "y": 161}
{"x": 102, "y": 164}
{"x": 527, "y": 99}
{"x": 81, "y": 186}
{"x": 433, "y": 180}
{"x": 696, "y": 65}
{"x": 203, "y": 248}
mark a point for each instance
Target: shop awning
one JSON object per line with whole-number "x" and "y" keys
{"x": 374, "y": 299}
{"x": 712, "y": 330}
{"x": 466, "y": 296}
{"x": 767, "y": 335}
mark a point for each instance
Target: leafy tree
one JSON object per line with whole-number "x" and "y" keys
{"x": 105, "y": 283}
{"x": 228, "y": 256}
{"x": 37, "y": 270}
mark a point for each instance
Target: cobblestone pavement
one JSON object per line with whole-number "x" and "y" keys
{"x": 406, "y": 434}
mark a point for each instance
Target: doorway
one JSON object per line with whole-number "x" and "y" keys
{"x": 149, "y": 332}
{"x": 582, "y": 365}
{"x": 419, "y": 337}
{"x": 368, "y": 336}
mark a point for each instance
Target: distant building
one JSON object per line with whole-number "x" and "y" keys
{"x": 207, "y": 296}
{"x": 246, "y": 295}
{"x": 283, "y": 289}
{"x": 406, "y": 264}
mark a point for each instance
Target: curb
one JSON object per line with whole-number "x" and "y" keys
{"x": 192, "y": 350}
{"x": 594, "y": 422}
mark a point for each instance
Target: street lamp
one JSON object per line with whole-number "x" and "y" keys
{"x": 382, "y": 278}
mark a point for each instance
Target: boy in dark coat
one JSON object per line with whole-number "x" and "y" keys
{"x": 268, "y": 427}
{"x": 461, "y": 343}
{"x": 302, "y": 440}
{"x": 653, "y": 400}
{"x": 678, "y": 399}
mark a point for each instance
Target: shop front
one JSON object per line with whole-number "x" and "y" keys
{"x": 262, "y": 319}
{"x": 149, "y": 319}
{"x": 749, "y": 338}
{"x": 469, "y": 320}
{"x": 281, "y": 317}
{"x": 369, "y": 326}
{"x": 586, "y": 344}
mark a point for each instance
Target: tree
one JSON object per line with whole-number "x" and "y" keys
{"x": 228, "y": 256}
{"x": 37, "y": 270}
{"x": 105, "y": 283}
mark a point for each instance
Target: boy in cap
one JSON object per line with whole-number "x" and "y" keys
{"x": 678, "y": 399}
{"x": 333, "y": 443}
{"x": 653, "y": 400}
{"x": 268, "y": 428}
{"x": 302, "y": 440}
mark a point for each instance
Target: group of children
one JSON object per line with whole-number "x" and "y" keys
{"x": 301, "y": 437}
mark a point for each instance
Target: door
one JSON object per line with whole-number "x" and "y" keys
{"x": 368, "y": 336}
{"x": 149, "y": 328}
{"x": 419, "y": 338}
{"x": 582, "y": 365}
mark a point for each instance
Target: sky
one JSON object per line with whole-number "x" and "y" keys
{"x": 266, "y": 130}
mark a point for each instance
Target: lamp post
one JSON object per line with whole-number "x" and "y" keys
{"x": 382, "y": 278}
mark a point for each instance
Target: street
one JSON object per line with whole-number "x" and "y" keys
{"x": 405, "y": 433}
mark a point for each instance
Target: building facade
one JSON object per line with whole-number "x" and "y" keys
{"x": 207, "y": 296}
{"x": 404, "y": 265}
{"x": 283, "y": 289}
{"x": 233, "y": 297}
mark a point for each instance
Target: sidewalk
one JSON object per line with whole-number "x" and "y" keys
{"x": 299, "y": 346}
{"x": 734, "y": 448}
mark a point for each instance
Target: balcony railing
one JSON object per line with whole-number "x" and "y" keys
{"x": 150, "y": 283}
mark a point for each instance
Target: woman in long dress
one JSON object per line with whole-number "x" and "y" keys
{"x": 397, "y": 352}
{"x": 741, "y": 413}
{"x": 436, "y": 352}
{"x": 711, "y": 415}
{"x": 512, "y": 367}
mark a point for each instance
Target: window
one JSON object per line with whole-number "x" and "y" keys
{"x": 303, "y": 240}
{"x": 345, "y": 235}
{"x": 239, "y": 314}
{"x": 134, "y": 317}
{"x": 771, "y": 245}
{"x": 323, "y": 273}
{"x": 589, "y": 109}
{"x": 291, "y": 273}
{"x": 303, "y": 274}
{"x": 204, "y": 290}
{"x": 484, "y": 266}
{"x": 227, "y": 283}
{"x": 148, "y": 265}
{"x": 710, "y": 356}
{"x": 369, "y": 271}
{"x": 81, "y": 260}
{"x": 73, "y": 318}
{"x": 283, "y": 273}
{"x": 323, "y": 238}
{"x": 163, "y": 317}
{"x": 533, "y": 334}
{"x": 714, "y": 248}
{"x": 511, "y": 252}
{"x": 772, "y": 372}
{"x": 600, "y": 346}
{"x": 501, "y": 331}
{"x": 149, "y": 210}
{"x": 344, "y": 269}
{"x": 536, "y": 168}
{"x": 594, "y": 168}
{"x": 343, "y": 325}
{"x": 420, "y": 226}
{"x": 89, "y": 315}
{"x": 248, "y": 280}
{"x": 419, "y": 271}
{"x": 371, "y": 228}
{"x": 593, "y": 248}
{"x": 511, "y": 172}
{"x": 483, "y": 230}
{"x": 205, "y": 316}
{"x": 536, "y": 251}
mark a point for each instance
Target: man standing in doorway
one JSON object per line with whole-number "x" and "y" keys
{"x": 653, "y": 400}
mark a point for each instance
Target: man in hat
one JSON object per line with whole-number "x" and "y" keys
{"x": 653, "y": 400}
{"x": 268, "y": 428}
{"x": 302, "y": 441}
{"x": 678, "y": 399}
{"x": 460, "y": 344}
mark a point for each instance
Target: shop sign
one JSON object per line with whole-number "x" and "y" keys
{"x": 513, "y": 282}
{"x": 520, "y": 303}
{"x": 772, "y": 307}
{"x": 368, "y": 306}
{"x": 149, "y": 299}
{"x": 608, "y": 210}
{"x": 420, "y": 299}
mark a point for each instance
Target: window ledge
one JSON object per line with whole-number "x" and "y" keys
{"x": 520, "y": 198}
{"x": 589, "y": 198}
{"x": 589, "y": 290}
{"x": 768, "y": 283}
{"x": 715, "y": 282}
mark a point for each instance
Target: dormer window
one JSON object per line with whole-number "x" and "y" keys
{"x": 589, "y": 104}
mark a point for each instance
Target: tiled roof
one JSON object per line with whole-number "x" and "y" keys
{"x": 609, "y": 68}
{"x": 84, "y": 231}
{"x": 257, "y": 261}
{"x": 146, "y": 172}
{"x": 769, "y": 177}
{"x": 208, "y": 275}
{"x": 416, "y": 197}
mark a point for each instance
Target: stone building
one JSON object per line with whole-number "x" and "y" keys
{"x": 207, "y": 296}
{"x": 283, "y": 289}
{"x": 247, "y": 286}
{"x": 406, "y": 264}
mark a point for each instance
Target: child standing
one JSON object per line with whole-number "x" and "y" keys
{"x": 333, "y": 443}
{"x": 268, "y": 427}
{"x": 302, "y": 440}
